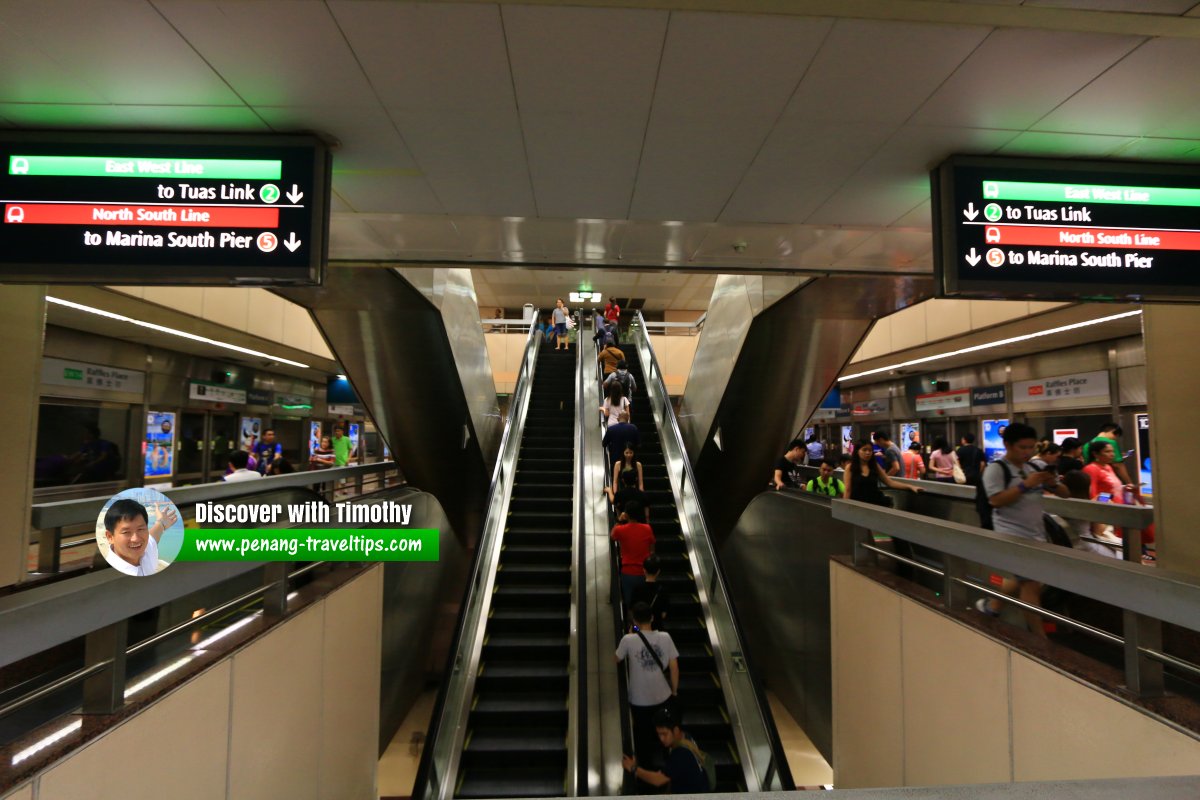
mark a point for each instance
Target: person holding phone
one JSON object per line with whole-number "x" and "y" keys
{"x": 1106, "y": 484}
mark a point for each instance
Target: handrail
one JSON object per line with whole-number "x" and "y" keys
{"x": 1148, "y": 597}
{"x": 776, "y": 773}
{"x": 83, "y": 510}
{"x": 617, "y": 601}
{"x": 577, "y": 744}
{"x": 428, "y": 783}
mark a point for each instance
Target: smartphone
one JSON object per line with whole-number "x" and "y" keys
{"x": 1104, "y": 497}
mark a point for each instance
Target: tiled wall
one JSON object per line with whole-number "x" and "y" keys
{"x": 920, "y": 699}
{"x": 295, "y": 714}
{"x": 934, "y": 320}
{"x": 255, "y": 311}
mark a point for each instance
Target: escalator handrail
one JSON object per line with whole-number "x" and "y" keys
{"x": 779, "y": 757}
{"x": 521, "y": 390}
{"x": 577, "y": 711}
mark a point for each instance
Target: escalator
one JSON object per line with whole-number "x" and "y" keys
{"x": 702, "y": 699}
{"x": 517, "y": 739}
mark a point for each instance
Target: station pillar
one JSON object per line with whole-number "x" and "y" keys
{"x": 1171, "y": 334}
{"x": 23, "y": 330}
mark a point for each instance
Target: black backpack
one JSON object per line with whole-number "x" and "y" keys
{"x": 1055, "y": 533}
{"x": 982, "y": 505}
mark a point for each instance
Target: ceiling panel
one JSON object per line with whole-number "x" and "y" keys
{"x": 1143, "y": 95}
{"x": 1069, "y": 145}
{"x": 384, "y": 192}
{"x": 430, "y": 56}
{"x": 475, "y": 160}
{"x": 691, "y": 165}
{"x": 29, "y": 74}
{"x": 864, "y": 201}
{"x": 1161, "y": 150}
{"x": 800, "y": 166}
{"x": 274, "y": 52}
{"x": 1174, "y": 7}
{"x": 919, "y": 217}
{"x": 1018, "y": 75}
{"x": 424, "y": 235}
{"x": 575, "y": 59}
{"x": 568, "y": 152}
{"x": 122, "y": 48}
{"x": 870, "y": 71}
{"x": 189, "y": 118}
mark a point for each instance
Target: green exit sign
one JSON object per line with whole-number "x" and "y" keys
{"x": 73, "y": 374}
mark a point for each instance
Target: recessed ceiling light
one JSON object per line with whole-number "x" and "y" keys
{"x": 172, "y": 331}
{"x": 989, "y": 345}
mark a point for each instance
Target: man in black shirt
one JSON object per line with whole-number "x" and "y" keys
{"x": 787, "y": 468}
{"x": 971, "y": 459}
{"x": 653, "y": 593}
{"x": 629, "y": 493}
{"x": 617, "y": 436}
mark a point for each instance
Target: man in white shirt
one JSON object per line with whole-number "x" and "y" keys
{"x": 133, "y": 543}
{"x": 653, "y": 677}
{"x": 239, "y": 460}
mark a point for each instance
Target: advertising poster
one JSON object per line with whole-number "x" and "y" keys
{"x": 352, "y": 432}
{"x": 847, "y": 438}
{"x": 909, "y": 432}
{"x": 250, "y": 431}
{"x": 993, "y": 438}
{"x": 314, "y": 437}
{"x": 159, "y": 448}
{"x": 1143, "y": 454}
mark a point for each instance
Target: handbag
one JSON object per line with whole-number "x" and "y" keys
{"x": 959, "y": 476}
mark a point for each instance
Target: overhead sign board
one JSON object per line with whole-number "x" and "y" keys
{"x": 989, "y": 395}
{"x": 1082, "y": 386}
{"x": 1066, "y": 230}
{"x": 162, "y": 208}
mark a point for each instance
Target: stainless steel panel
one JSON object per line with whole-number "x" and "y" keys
{"x": 758, "y": 381}
{"x": 1131, "y": 383}
{"x": 776, "y": 565}
{"x": 417, "y": 359}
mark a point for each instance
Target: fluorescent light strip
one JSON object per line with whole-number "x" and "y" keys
{"x": 41, "y": 745}
{"x": 173, "y": 331}
{"x": 989, "y": 345}
{"x": 157, "y": 676}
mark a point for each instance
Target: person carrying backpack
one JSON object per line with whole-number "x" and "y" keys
{"x": 622, "y": 376}
{"x": 653, "y": 676}
{"x": 687, "y": 770}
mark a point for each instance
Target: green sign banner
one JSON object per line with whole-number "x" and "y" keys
{"x": 302, "y": 544}
{"x": 136, "y": 167}
{"x": 1089, "y": 193}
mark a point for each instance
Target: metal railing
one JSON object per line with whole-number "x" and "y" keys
{"x": 447, "y": 728}
{"x": 1147, "y": 597}
{"x": 764, "y": 763}
{"x": 51, "y": 518}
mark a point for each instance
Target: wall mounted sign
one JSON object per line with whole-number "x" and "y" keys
{"x": 942, "y": 401}
{"x": 162, "y": 208}
{"x": 989, "y": 395}
{"x": 77, "y": 374}
{"x": 1055, "y": 229}
{"x": 1081, "y": 386}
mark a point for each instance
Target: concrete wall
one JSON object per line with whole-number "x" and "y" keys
{"x": 934, "y": 320}
{"x": 295, "y": 714}
{"x": 255, "y": 311}
{"x": 920, "y": 699}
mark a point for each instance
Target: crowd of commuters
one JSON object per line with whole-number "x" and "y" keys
{"x": 1008, "y": 490}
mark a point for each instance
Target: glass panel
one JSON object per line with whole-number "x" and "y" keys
{"x": 223, "y": 437}
{"x": 80, "y": 444}
{"x": 191, "y": 443}
{"x": 290, "y": 434}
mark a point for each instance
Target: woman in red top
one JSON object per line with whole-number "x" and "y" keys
{"x": 1104, "y": 479}
{"x": 636, "y": 539}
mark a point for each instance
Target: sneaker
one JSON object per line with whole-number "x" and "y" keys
{"x": 981, "y": 605}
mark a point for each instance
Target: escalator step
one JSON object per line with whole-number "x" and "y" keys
{"x": 522, "y": 781}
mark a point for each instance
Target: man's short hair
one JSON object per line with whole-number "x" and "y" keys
{"x": 652, "y": 565}
{"x": 880, "y": 436}
{"x": 1018, "y": 431}
{"x": 915, "y": 446}
{"x": 121, "y": 510}
{"x": 969, "y": 438}
{"x": 268, "y": 430}
{"x": 829, "y": 462}
{"x": 641, "y": 613}
{"x": 1111, "y": 427}
{"x": 1070, "y": 443}
{"x": 622, "y": 364}
{"x": 667, "y": 717}
{"x": 635, "y": 511}
{"x": 239, "y": 459}
{"x": 796, "y": 444}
